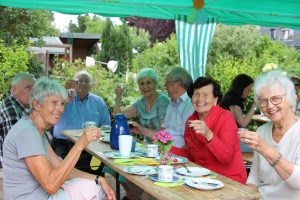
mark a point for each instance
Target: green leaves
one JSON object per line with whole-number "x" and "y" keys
{"x": 13, "y": 59}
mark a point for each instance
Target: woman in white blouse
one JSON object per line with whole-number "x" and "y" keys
{"x": 275, "y": 172}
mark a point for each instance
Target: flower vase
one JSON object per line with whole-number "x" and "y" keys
{"x": 165, "y": 156}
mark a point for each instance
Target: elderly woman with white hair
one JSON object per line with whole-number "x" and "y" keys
{"x": 31, "y": 168}
{"x": 151, "y": 108}
{"x": 275, "y": 171}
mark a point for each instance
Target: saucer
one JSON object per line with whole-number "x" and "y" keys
{"x": 141, "y": 170}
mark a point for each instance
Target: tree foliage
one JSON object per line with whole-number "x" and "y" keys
{"x": 158, "y": 29}
{"x": 162, "y": 57}
{"x": 13, "y": 59}
{"x": 242, "y": 49}
{"x": 82, "y": 24}
{"x": 116, "y": 45}
{"x": 140, "y": 39}
{"x": 20, "y": 24}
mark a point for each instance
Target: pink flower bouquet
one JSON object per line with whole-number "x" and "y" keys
{"x": 164, "y": 140}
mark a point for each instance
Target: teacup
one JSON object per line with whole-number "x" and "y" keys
{"x": 165, "y": 173}
{"x": 88, "y": 124}
{"x": 152, "y": 150}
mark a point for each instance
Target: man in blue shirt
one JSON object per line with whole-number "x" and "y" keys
{"x": 85, "y": 106}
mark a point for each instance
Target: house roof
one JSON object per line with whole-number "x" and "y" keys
{"x": 80, "y": 36}
{"x": 48, "y": 41}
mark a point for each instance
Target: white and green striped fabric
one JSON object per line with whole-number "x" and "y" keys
{"x": 193, "y": 43}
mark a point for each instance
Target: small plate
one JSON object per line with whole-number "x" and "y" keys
{"x": 116, "y": 154}
{"x": 156, "y": 179}
{"x": 141, "y": 170}
{"x": 194, "y": 171}
{"x": 179, "y": 160}
{"x": 204, "y": 183}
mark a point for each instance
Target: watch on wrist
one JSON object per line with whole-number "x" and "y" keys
{"x": 96, "y": 179}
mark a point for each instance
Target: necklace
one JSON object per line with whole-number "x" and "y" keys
{"x": 150, "y": 102}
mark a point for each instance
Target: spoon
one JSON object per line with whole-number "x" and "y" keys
{"x": 186, "y": 168}
{"x": 205, "y": 183}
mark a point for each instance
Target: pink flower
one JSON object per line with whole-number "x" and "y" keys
{"x": 163, "y": 137}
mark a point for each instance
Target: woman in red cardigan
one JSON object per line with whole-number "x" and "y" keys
{"x": 211, "y": 133}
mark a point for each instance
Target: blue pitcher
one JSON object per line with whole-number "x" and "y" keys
{"x": 119, "y": 127}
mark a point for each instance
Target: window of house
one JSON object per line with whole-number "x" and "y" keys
{"x": 287, "y": 34}
{"x": 273, "y": 33}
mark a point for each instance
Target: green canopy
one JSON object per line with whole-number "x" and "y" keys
{"x": 194, "y": 27}
{"x": 283, "y": 13}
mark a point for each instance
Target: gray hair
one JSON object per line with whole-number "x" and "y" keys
{"x": 45, "y": 87}
{"x": 147, "y": 72}
{"x": 181, "y": 75}
{"x": 21, "y": 76}
{"x": 276, "y": 78}
{"x": 83, "y": 72}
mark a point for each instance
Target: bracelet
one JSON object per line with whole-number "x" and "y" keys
{"x": 96, "y": 179}
{"x": 277, "y": 160}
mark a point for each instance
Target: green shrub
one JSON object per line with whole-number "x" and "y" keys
{"x": 13, "y": 59}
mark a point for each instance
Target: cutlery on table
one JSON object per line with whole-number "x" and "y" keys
{"x": 186, "y": 168}
{"x": 205, "y": 183}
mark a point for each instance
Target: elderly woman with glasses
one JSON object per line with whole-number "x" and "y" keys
{"x": 31, "y": 168}
{"x": 275, "y": 171}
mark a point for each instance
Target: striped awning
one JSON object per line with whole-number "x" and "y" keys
{"x": 193, "y": 41}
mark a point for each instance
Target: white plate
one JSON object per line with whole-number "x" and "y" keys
{"x": 156, "y": 179}
{"x": 141, "y": 170}
{"x": 194, "y": 171}
{"x": 116, "y": 154}
{"x": 204, "y": 183}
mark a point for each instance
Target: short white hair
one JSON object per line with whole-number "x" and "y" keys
{"x": 44, "y": 87}
{"x": 21, "y": 76}
{"x": 279, "y": 79}
{"x": 83, "y": 72}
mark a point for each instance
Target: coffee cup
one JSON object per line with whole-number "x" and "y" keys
{"x": 125, "y": 143}
{"x": 88, "y": 124}
{"x": 152, "y": 150}
{"x": 165, "y": 173}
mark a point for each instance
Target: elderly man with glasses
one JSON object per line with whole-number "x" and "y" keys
{"x": 275, "y": 172}
{"x": 85, "y": 106}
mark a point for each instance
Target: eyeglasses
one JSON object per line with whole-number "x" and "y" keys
{"x": 81, "y": 82}
{"x": 275, "y": 100}
{"x": 169, "y": 82}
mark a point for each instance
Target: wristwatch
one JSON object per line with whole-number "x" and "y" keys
{"x": 96, "y": 179}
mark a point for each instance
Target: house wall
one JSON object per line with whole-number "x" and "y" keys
{"x": 290, "y": 37}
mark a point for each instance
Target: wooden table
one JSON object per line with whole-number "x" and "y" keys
{"x": 231, "y": 190}
{"x": 260, "y": 119}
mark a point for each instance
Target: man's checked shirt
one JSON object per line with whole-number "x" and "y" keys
{"x": 10, "y": 112}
